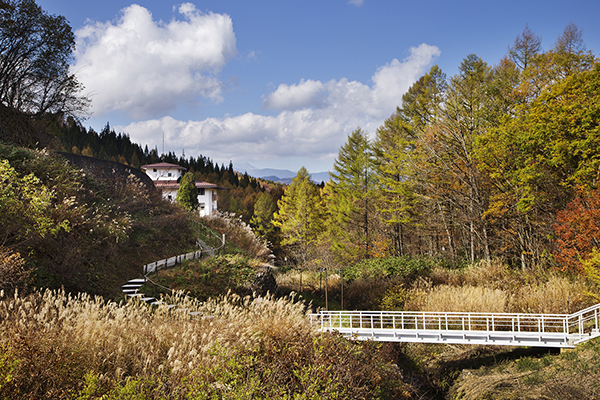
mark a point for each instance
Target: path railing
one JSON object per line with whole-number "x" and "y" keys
{"x": 133, "y": 286}
{"x": 205, "y": 250}
{"x": 545, "y": 330}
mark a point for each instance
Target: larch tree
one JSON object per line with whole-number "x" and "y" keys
{"x": 350, "y": 197}
{"x": 262, "y": 220}
{"x": 452, "y": 174}
{"x": 397, "y": 164}
{"x": 397, "y": 206}
{"x": 300, "y": 218}
{"x": 527, "y": 45}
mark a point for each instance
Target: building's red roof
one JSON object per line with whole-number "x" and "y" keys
{"x": 173, "y": 184}
{"x": 162, "y": 165}
{"x": 206, "y": 185}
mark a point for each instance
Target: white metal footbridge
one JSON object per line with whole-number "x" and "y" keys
{"x": 540, "y": 330}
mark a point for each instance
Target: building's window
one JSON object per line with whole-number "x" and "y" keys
{"x": 202, "y": 206}
{"x": 201, "y": 191}
{"x": 170, "y": 197}
{"x": 153, "y": 169}
{"x": 169, "y": 174}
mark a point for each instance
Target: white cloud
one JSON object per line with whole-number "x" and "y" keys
{"x": 357, "y": 3}
{"x": 396, "y": 77}
{"x": 314, "y": 120}
{"x": 146, "y": 68}
{"x": 305, "y": 94}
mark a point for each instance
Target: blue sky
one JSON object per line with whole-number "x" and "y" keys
{"x": 280, "y": 84}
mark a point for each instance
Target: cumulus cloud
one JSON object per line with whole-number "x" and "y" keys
{"x": 146, "y": 68}
{"x": 314, "y": 119}
{"x": 302, "y": 95}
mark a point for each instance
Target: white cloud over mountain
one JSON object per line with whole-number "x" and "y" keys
{"x": 313, "y": 121}
{"x": 146, "y": 68}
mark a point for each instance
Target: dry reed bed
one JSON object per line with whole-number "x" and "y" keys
{"x": 54, "y": 345}
{"x": 493, "y": 287}
{"x": 483, "y": 287}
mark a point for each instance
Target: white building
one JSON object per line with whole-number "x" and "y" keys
{"x": 166, "y": 178}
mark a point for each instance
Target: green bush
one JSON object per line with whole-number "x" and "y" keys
{"x": 403, "y": 267}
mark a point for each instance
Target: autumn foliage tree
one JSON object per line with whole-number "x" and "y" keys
{"x": 300, "y": 217}
{"x": 35, "y": 52}
{"x": 578, "y": 230}
{"x": 350, "y": 197}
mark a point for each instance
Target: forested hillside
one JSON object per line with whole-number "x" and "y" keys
{"x": 243, "y": 190}
{"x": 65, "y": 227}
{"x": 482, "y": 164}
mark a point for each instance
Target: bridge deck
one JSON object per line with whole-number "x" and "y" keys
{"x": 544, "y": 330}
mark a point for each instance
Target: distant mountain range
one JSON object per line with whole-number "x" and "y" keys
{"x": 278, "y": 175}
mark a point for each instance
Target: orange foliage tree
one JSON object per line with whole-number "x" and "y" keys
{"x": 578, "y": 230}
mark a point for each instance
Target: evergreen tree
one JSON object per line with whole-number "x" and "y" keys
{"x": 187, "y": 194}
{"x": 262, "y": 221}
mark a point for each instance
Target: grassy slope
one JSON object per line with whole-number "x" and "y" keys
{"x": 573, "y": 374}
{"x": 115, "y": 225}
{"x": 206, "y": 278}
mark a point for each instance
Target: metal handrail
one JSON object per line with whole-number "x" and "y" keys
{"x": 573, "y": 326}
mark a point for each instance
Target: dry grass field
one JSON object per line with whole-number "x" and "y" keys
{"x": 59, "y": 346}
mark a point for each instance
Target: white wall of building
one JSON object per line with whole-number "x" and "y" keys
{"x": 165, "y": 174}
{"x": 207, "y": 200}
{"x": 165, "y": 178}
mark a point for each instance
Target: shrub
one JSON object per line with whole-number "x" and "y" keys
{"x": 238, "y": 232}
{"x": 404, "y": 267}
{"x": 394, "y": 298}
{"x": 14, "y": 274}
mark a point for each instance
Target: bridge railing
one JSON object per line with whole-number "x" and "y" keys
{"x": 570, "y": 325}
{"x": 585, "y": 321}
